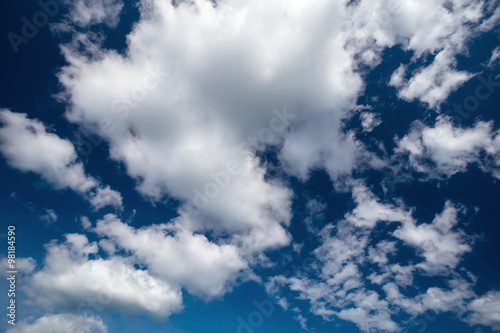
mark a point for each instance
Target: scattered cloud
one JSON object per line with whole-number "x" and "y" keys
{"x": 85, "y": 222}
{"x": 495, "y": 56}
{"x": 369, "y": 121}
{"x": 204, "y": 268}
{"x": 337, "y": 284}
{"x": 23, "y": 265}
{"x": 433, "y": 83}
{"x": 105, "y": 196}
{"x": 49, "y": 217}
{"x": 85, "y": 13}
{"x": 29, "y": 147}
{"x": 203, "y": 90}
{"x": 438, "y": 242}
{"x": 69, "y": 279}
{"x": 61, "y": 323}
{"x": 450, "y": 149}
{"x": 486, "y": 310}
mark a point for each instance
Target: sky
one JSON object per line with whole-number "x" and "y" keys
{"x": 251, "y": 166}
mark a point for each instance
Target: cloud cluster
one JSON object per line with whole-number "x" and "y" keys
{"x": 23, "y": 265}
{"x": 176, "y": 137}
{"x": 49, "y": 217}
{"x": 222, "y": 69}
{"x": 29, "y": 147}
{"x": 440, "y": 30}
{"x": 71, "y": 281}
{"x": 485, "y": 310}
{"x": 75, "y": 276}
{"x": 86, "y": 13}
{"x": 201, "y": 91}
{"x": 352, "y": 259}
{"x": 181, "y": 137}
{"x": 451, "y": 149}
{"x": 177, "y": 256}
{"x": 61, "y": 323}
{"x": 437, "y": 242}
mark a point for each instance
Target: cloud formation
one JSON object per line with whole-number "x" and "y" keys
{"x": 29, "y": 147}
{"x": 177, "y": 256}
{"x": 351, "y": 259}
{"x": 451, "y": 149}
{"x": 202, "y": 91}
{"x": 71, "y": 281}
{"x": 61, "y": 323}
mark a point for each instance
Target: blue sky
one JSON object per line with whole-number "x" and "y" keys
{"x": 251, "y": 166}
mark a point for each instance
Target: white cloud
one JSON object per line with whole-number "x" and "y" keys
{"x": 379, "y": 254}
{"x": 202, "y": 267}
{"x": 438, "y": 28}
{"x": 303, "y": 322}
{"x": 452, "y": 299}
{"x": 438, "y": 242}
{"x": 315, "y": 209}
{"x": 49, "y": 217}
{"x": 485, "y": 310}
{"x": 179, "y": 122}
{"x": 273, "y": 68}
{"x": 369, "y": 121}
{"x": 70, "y": 280}
{"x": 373, "y": 316}
{"x": 492, "y": 21}
{"x": 85, "y": 13}
{"x": 340, "y": 291}
{"x": 61, "y": 323}
{"x": 351, "y": 257}
{"x": 495, "y": 55}
{"x": 192, "y": 100}
{"x": 86, "y": 224}
{"x": 450, "y": 148}
{"x": 105, "y": 196}
{"x": 360, "y": 306}
{"x": 369, "y": 211}
{"x": 433, "y": 83}
{"x": 181, "y": 142}
{"x": 23, "y": 265}
{"x": 29, "y": 147}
